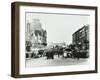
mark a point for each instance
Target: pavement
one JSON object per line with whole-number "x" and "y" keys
{"x": 42, "y": 61}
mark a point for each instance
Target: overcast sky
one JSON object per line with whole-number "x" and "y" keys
{"x": 59, "y": 27}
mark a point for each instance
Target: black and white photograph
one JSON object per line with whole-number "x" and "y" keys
{"x": 52, "y": 39}
{"x": 56, "y": 39}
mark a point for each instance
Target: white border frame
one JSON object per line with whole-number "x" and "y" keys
{"x": 71, "y": 68}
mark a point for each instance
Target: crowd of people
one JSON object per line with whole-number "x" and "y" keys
{"x": 65, "y": 52}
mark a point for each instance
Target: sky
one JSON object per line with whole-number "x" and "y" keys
{"x": 59, "y": 27}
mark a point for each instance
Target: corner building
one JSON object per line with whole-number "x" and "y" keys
{"x": 35, "y": 35}
{"x": 81, "y": 38}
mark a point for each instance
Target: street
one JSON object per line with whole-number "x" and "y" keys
{"x": 43, "y": 61}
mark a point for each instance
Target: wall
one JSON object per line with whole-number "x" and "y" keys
{"x": 5, "y": 40}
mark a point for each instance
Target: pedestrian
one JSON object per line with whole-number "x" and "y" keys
{"x": 52, "y": 55}
{"x": 78, "y": 55}
{"x": 65, "y": 54}
{"x": 47, "y": 55}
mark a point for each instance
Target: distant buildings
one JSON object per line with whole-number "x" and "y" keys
{"x": 81, "y": 38}
{"x": 51, "y": 45}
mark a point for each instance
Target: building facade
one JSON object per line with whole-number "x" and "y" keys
{"x": 81, "y": 38}
{"x": 35, "y": 36}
